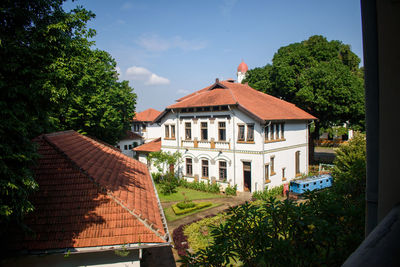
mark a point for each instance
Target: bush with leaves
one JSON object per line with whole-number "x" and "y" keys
{"x": 200, "y": 186}
{"x": 231, "y": 190}
{"x": 324, "y": 230}
{"x": 168, "y": 184}
{"x": 267, "y": 193}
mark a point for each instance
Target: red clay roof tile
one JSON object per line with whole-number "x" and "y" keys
{"x": 90, "y": 195}
{"x": 147, "y": 115}
{"x": 260, "y": 105}
{"x": 152, "y": 146}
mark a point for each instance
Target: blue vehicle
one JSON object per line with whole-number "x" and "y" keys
{"x": 311, "y": 183}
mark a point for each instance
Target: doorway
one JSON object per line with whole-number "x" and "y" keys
{"x": 247, "y": 176}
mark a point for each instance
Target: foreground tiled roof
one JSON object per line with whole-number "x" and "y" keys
{"x": 131, "y": 136}
{"x": 90, "y": 195}
{"x": 147, "y": 115}
{"x": 152, "y": 146}
{"x": 258, "y": 104}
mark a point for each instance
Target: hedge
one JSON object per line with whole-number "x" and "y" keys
{"x": 200, "y": 205}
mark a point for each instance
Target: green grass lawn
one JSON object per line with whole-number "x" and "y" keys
{"x": 189, "y": 193}
{"x": 171, "y": 216}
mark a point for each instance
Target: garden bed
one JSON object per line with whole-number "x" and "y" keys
{"x": 171, "y": 216}
{"x": 196, "y": 206}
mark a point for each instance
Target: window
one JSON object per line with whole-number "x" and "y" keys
{"x": 221, "y": 131}
{"x": 250, "y": 132}
{"x": 130, "y": 147}
{"x": 283, "y": 173}
{"x": 272, "y": 132}
{"x": 118, "y": 146}
{"x": 204, "y": 131}
{"x": 222, "y": 170}
{"x": 144, "y": 127}
{"x": 173, "y": 131}
{"x": 136, "y": 127}
{"x": 204, "y": 168}
{"x": 275, "y": 131}
{"x": 272, "y": 162}
{"x": 188, "y": 131}
{"x": 297, "y": 162}
{"x": 189, "y": 167}
{"x": 241, "y": 133}
{"x": 267, "y": 173}
{"x": 166, "y": 131}
{"x": 125, "y": 147}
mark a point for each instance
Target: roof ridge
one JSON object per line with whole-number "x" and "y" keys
{"x": 100, "y": 186}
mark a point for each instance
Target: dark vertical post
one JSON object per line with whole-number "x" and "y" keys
{"x": 370, "y": 43}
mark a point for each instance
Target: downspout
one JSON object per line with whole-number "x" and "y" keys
{"x": 233, "y": 146}
{"x": 263, "y": 154}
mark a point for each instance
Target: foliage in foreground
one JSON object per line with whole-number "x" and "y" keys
{"x": 325, "y": 230}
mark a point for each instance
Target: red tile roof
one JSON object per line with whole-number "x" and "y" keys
{"x": 147, "y": 115}
{"x": 242, "y": 67}
{"x": 90, "y": 195}
{"x": 152, "y": 146}
{"x": 262, "y": 106}
{"x": 131, "y": 136}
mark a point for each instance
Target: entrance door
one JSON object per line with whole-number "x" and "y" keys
{"x": 247, "y": 176}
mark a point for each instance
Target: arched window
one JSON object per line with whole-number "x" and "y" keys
{"x": 222, "y": 171}
{"x": 204, "y": 168}
{"x": 189, "y": 167}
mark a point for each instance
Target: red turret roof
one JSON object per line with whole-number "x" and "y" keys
{"x": 243, "y": 67}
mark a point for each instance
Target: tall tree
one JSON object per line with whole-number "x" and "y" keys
{"x": 50, "y": 79}
{"x": 322, "y": 77}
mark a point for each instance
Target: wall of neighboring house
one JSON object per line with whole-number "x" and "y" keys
{"x": 127, "y": 145}
{"x": 239, "y": 155}
{"x": 149, "y": 131}
{"x": 107, "y": 258}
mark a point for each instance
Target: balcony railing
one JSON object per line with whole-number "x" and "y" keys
{"x": 206, "y": 144}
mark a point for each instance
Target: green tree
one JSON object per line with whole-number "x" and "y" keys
{"x": 47, "y": 83}
{"x": 324, "y": 230}
{"x": 322, "y": 77}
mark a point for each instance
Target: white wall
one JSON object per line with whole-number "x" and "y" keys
{"x": 107, "y": 258}
{"x": 258, "y": 153}
{"x": 128, "y": 151}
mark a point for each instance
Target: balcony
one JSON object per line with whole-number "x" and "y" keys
{"x": 206, "y": 144}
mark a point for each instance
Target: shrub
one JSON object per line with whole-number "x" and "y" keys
{"x": 200, "y": 186}
{"x": 198, "y": 233}
{"x": 156, "y": 177}
{"x": 231, "y": 190}
{"x": 185, "y": 205}
{"x": 168, "y": 184}
{"x": 268, "y": 193}
{"x": 197, "y": 206}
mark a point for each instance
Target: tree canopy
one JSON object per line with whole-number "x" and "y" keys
{"x": 51, "y": 79}
{"x": 320, "y": 76}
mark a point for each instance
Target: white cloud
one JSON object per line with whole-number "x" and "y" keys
{"x": 155, "y": 43}
{"x": 183, "y": 91}
{"x": 146, "y": 76}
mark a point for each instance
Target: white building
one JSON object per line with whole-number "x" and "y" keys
{"x": 144, "y": 126}
{"x": 233, "y": 134}
{"x": 143, "y": 131}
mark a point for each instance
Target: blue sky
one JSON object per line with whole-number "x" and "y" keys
{"x": 167, "y": 49}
